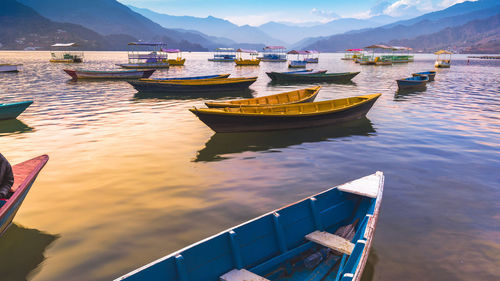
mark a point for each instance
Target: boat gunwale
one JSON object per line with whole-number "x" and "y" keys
{"x": 198, "y": 82}
{"x": 222, "y": 112}
{"x": 365, "y": 250}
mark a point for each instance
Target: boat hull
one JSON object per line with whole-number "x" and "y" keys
{"x": 144, "y": 65}
{"x": 85, "y": 74}
{"x": 163, "y": 87}
{"x": 12, "y": 110}
{"x": 274, "y": 245}
{"x": 311, "y": 78}
{"x": 176, "y": 62}
{"x": 24, "y": 176}
{"x": 245, "y": 123}
{"x": 247, "y": 62}
{"x": 221, "y": 60}
{"x": 411, "y": 84}
{"x": 10, "y": 67}
{"x": 218, "y": 76}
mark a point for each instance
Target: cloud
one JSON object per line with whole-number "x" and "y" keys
{"x": 447, "y": 3}
{"x": 329, "y": 15}
{"x": 403, "y": 8}
{"x": 379, "y": 8}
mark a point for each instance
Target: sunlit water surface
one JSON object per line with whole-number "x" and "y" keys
{"x": 132, "y": 178}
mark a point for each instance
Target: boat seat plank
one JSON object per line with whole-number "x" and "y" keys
{"x": 241, "y": 275}
{"x": 367, "y": 186}
{"x": 331, "y": 241}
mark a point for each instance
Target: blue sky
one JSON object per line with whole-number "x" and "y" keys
{"x": 256, "y": 12}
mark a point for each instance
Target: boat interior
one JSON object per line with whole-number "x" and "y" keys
{"x": 284, "y": 98}
{"x": 301, "y": 108}
{"x": 322, "y": 237}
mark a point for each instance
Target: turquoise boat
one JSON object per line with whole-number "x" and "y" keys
{"x": 431, "y": 74}
{"x": 12, "y": 110}
{"x": 323, "y": 237}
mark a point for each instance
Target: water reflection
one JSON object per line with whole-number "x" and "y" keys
{"x": 229, "y": 143}
{"x": 13, "y": 127}
{"x": 369, "y": 272}
{"x": 248, "y": 93}
{"x": 22, "y": 252}
{"x": 405, "y": 94}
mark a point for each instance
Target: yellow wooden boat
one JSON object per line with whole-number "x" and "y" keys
{"x": 443, "y": 59}
{"x": 241, "y": 61}
{"x": 302, "y": 115}
{"x": 176, "y": 62}
{"x": 297, "y": 96}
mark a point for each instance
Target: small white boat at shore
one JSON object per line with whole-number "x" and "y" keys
{"x": 10, "y": 67}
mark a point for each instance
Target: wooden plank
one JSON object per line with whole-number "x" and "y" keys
{"x": 331, "y": 241}
{"x": 367, "y": 186}
{"x": 241, "y": 275}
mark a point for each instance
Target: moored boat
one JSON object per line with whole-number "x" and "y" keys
{"x": 109, "y": 74}
{"x": 326, "y": 236}
{"x": 12, "y": 110}
{"x": 146, "y": 55}
{"x": 413, "y": 82}
{"x": 25, "y": 174}
{"x": 443, "y": 59}
{"x": 273, "y": 54}
{"x": 272, "y": 74}
{"x": 223, "y": 55}
{"x": 242, "y": 61}
{"x": 300, "y": 62}
{"x": 297, "y": 96}
{"x": 431, "y": 74}
{"x": 65, "y": 53}
{"x": 199, "y": 85}
{"x": 284, "y": 77}
{"x": 293, "y": 116}
{"x": 6, "y": 67}
{"x": 179, "y": 60}
{"x": 216, "y": 76}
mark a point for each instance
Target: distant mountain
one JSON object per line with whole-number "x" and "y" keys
{"x": 111, "y": 17}
{"x": 455, "y": 10}
{"x": 23, "y": 27}
{"x": 402, "y": 31}
{"x": 211, "y": 26}
{"x": 479, "y": 36}
{"x": 293, "y": 33}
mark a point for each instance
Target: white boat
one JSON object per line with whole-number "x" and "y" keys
{"x": 10, "y": 67}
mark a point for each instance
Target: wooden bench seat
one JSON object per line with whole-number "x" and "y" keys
{"x": 331, "y": 241}
{"x": 241, "y": 275}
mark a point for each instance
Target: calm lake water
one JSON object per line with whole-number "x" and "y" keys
{"x": 134, "y": 177}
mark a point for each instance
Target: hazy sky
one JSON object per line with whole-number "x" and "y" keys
{"x": 256, "y": 12}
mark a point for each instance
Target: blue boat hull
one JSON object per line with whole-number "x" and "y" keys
{"x": 12, "y": 110}
{"x": 418, "y": 81}
{"x": 274, "y": 245}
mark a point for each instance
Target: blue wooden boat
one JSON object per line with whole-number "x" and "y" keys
{"x": 412, "y": 82}
{"x": 24, "y": 176}
{"x": 430, "y": 74}
{"x": 323, "y": 237}
{"x": 273, "y": 74}
{"x": 12, "y": 110}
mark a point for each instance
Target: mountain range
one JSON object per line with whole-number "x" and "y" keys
{"x": 109, "y": 25}
{"x": 453, "y": 16}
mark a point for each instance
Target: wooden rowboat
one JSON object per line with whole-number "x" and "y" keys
{"x": 313, "y": 77}
{"x": 205, "y": 85}
{"x": 216, "y": 76}
{"x": 12, "y": 110}
{"x": 323, "y": 237}
{"x": 431, "y": 74}
{"x": 114, "y": 74}
{"x": 273, "y": 74}
{"x": 302, "y": 115}
{"x": 10, "y": 67}
{"x": 24, "y": 176}
{"x": 297, "y": 96}
{"x": 413, "y": 82}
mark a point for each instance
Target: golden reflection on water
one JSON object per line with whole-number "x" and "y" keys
{"x": 132, "y": 178}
